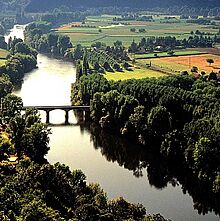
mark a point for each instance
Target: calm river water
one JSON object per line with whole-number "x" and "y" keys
{"x": 74, "y": 146}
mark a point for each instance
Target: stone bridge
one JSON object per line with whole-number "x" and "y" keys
{"x": 83, "y": 109}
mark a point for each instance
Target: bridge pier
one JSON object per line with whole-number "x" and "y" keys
{"x": 47, "y": 116}
{"x": 66, "y": 117}
{"x": 87, "y": 116}
{"x": 79, "y": 116}
{"x": 82, "y": 112}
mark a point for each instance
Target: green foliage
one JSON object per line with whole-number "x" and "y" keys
{"x": 38, "y": 36}
{"x": 22, "y": 60}
{"x": 5, "y": 86}
{"x": 123, "y": 210}
{"x": 3, "y": 44}
{"x": 87, "y": 86}
{"x": 78, "y": 52}
{"x": 36, "y": 141}
{"x": 103, "y": 59}
{"x": 5, "y": 147}
{"x": 29, "y": 136}
{"x": 10, "y": 106}
{"x": 169, "y": 43}
{"x": 159, "y": 120}
{"x": 177, "y": 116}
{"x": 53, "y": 192}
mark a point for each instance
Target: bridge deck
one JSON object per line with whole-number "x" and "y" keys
{"x": 63, "y": 107}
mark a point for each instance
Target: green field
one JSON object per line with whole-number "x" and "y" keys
{"x": 2, "y": 62}
{"x": 137, "y": 73}
{"x": 112, "y": 31}
{"x": 3, "y": 55}
{"x": 164, "y": 54}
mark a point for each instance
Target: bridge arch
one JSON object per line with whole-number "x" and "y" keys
{"x": 84, "y": 109}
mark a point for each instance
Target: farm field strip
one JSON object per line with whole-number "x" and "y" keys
{"x": 2, "y": 62}
{"x": 186, "y": 62}
{"x": 105, "y": 26}
{"x": 164, "y": 54}
{"x": 3, "y": 53}
{"x": 136, "y": 73}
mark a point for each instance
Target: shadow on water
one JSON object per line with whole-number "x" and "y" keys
{"x": 159, "y": 172}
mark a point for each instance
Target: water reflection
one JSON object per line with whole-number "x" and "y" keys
{"x": 77, "y": 148}
{"x": 159, "y": 172}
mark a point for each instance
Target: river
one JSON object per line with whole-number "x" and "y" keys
{"x": 75, "y": 146}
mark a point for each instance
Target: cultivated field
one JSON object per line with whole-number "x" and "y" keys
{"x": 3, "y": 55}
{"x": 164, "y": 54}
{"x": 102, "y": 28}
{"x": 137, "y": 73}
{"x": 182, "y": 63}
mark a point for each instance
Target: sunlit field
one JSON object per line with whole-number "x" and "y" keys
{"x": 102, "y": 28}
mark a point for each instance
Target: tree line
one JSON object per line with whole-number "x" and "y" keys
{"x": 167, "y": 43}
{"x": 54, "y": 193}
{"x": 177, "y": 117}
{"x": 38, "y": 36}
{"x": 21, "y": 59}
{"x": 32, "y": 189}
{"x": 160, "y": 172}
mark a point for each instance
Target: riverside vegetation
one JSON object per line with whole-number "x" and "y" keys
{"x": 176, "y": 118}
{"x": 31, "y": 188}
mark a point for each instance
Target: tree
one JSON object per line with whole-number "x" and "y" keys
{"x": 134, "y": 47}
{"x": 118, "y": 43}
{"x": 38, "y": 210}
{"x": 212, "y": 76}
{"x": 52, "y": 40}
{"x": 171, "y": 53}
{"x": 85, "y": 64}
{"x": 141, "y": 30}
{"x": 159, "y": 120}
{"x": 29, "y": 135}
{"x": 117, "y": 67}
{"x": 22, "y": 48}
{"x": 63, "y": 43}
{"x": 36, "y": 142}
{"x": 3, "y": 44}
{"x": 5, "y": 147}
{"x": 206, "y": 157}
{"x": 78, "y": 52}
{"x": 17, "y": 128}
{"x": 10, "y": 106}
{"x": 107, "y": 67}
{"x": 123, "y": 210}
{"x": 194, "y": 69}
{"x": 13, "y": 43}
{"x": 210, "y": 61}
{"x": 5, "y": 86}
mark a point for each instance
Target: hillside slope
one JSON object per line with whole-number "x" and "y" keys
{"x": 46, "y": 5}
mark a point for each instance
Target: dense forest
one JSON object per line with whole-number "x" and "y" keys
{"x": 176, "y": 116}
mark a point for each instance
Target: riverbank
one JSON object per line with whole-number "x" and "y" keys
{"x": 107, "y": 164}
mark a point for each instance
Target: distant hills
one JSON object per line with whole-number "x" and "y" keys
{"x": 48, "y": 5}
